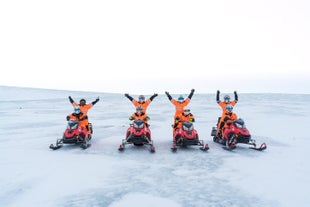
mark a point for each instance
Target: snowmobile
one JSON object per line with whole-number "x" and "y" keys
{"x": 138, "y": 134}
{"x": 235, "y": 133}
{"x": 74, "y": 134}
{"x": 186, "y": 135}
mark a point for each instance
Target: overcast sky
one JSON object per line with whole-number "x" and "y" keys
{"x": 153, "y": 46}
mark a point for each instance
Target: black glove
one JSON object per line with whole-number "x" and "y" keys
{"x": 169, "y": 97}
{"x": 218, "y": 96}
{"x": 129, "y": 97}
{"x": 191, "y": 94}
{"x": 94, "y": 102}
{"x": 236, "y": 96}
{"x": 152, "y": 97}
{"x": 68, "y": 118}
{"x": 70, "y": 99}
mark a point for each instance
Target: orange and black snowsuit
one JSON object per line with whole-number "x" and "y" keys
{"x": 179, "y": 106}
{"x": 225, "y": 120}
{"x": 141, "y": 116}
{"x": 81, "y": 118}
{"x": 84, "y": 109}
{"x": 143, "y": 104}
{"x": 187, "y": 118}
{"x": 224, "y": 104}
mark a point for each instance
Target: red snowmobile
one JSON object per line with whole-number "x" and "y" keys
{"x": 138, "y": 134}
{"x": 186, "y": 136}
{"x": 74, "y": 134}
{"x": 235, "y": 133}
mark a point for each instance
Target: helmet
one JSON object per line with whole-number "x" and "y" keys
{"x": 77, "y": 110}
{"x": 181, "y": 98}
{"x": 141, "y": 98}
{"x": 229, "y": 108}
{"x": 82, "y": 101}
{"x": 226, "y": 98}
{"x": 139, "y": 108}
{"x": 186, "y": 111}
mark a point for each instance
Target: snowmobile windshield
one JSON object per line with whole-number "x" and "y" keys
{"x": 187, "y": 126}
{"x": 239, "y": 123}
{"x": 72, "y": 124}
{"x": 138, "y": 124}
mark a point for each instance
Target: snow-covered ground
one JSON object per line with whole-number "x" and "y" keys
{"x": 33, "y": 175}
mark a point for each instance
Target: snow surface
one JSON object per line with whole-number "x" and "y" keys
{"x": 33, "y": 175}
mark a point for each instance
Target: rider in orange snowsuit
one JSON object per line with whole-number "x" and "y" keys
{"x": 83, "y": 106}
{"x": 180, "y": 103}
{"x": 226, "y": 119}
{"x": 141, "y": 102}
{"x": 84, "y": 109}
{"x": 78, "y": 116}
{"x": 186, "y": 116}
{"x": 226, "y": 101}
{"x": 140, "y": 115}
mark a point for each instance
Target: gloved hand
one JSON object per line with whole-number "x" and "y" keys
{"x": 155, "y": 94}
{"x": 193, "y": 90}
{"x": 167, "y": 93}
{"x": 146, "y": 118}
{"x": 97, "y": 99}
{"x": 236, "y": 96}
{"x": 127, "y": 95}
{"x": 217, "y": 92}
{"x": 70, "y": 99}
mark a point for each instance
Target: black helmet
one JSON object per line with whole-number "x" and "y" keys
{"x": 82, "y": 101}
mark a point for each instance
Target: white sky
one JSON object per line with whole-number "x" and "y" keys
{"x": 153, "y": 46}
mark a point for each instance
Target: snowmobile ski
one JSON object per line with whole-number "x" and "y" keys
{"x": 262, "y": 147}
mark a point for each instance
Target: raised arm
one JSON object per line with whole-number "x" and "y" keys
{"x": 152, "y": 97}
{"x": 94, "y": 102}
{"x": 70, "y": 99}
{"x": 129, "y": 97}
{"x": 168, "y": 95}
{"x": 191, "y": 94}
{"x": 236, "y": 96}
{"x": 218, "y": 96}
